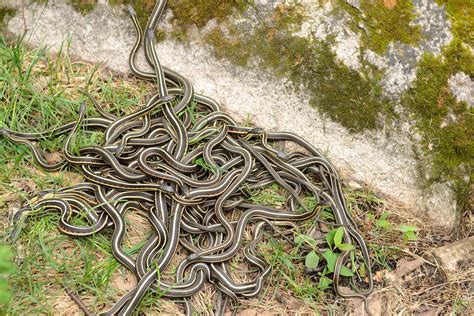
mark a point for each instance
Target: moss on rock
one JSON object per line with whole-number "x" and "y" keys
{"x": 199, "y": 12}
{"x": 461, "y": 14}
{"x": 83, "y": 6}
{"x": 4, "y": 13}
{"x": 343, "y": 94}
{"x": 143, "y": 8}
{"x": 384, "y": 22}
{"x": 446, "y": 126}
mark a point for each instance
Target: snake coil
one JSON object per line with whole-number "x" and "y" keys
{"x": 192, "y": 170}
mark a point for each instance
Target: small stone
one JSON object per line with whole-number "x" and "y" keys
{"x": 456, "y": 255}
{"x": 354, "y": 185}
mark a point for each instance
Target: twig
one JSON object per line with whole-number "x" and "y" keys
{"x": 77, "y": 300}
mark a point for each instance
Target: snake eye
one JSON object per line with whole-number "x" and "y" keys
{"x": 82, "y": 107}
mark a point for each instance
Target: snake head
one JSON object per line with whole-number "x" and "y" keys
{"x": 282, "y": 155}
{"x": 130, "y": 10}
{"x": 185, "y": 190}
{"x": 257, "y": 131}
{"x": 82, "y": 108}
{"x": 167, "y": 188}
{"x": 193, "y": 256}
{"x": 150, "y": 34}
{"x": 4, "y": 132}
{"x": 167, "y": 98}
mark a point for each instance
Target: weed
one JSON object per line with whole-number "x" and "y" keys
{"x": 6, "y": 270}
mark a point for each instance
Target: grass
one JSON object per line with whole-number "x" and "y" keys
{"x": 38, "y": 91}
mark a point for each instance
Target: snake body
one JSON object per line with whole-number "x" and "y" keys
{"x": 147, "y": 163}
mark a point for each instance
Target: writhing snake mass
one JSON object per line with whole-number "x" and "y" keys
{"x": 148, "y": 162}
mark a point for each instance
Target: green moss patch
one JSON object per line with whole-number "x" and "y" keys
{"x": 83, "y": 6}
{"x": 447, "y": 126}
{"x": 189, "y": 12}
{"x": 384, "y": 23}
{"x": 343, "y": 94}
{"x": 143, "y": 8}
{"x": 4, "y": 13}
{"x": 461, "y": 14}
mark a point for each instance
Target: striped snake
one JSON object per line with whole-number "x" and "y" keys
{"x": 148, "y": 163}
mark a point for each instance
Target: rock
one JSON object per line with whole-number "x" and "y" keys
{"x": 401, "y": 59}
{"x": 440, "y": 205}
{"x": 354, "y": 185}
{"x": 462, "y": 87}
{"x": 457, "y": 255}
{"x": 358, "y": 307}
{"x": 405, "y": 266}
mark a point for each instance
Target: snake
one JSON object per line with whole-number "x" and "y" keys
{"x": 191, "y": 170}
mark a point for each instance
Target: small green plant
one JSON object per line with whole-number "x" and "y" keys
{"x": 408, "y": 232}
{"x": 204, "y": 165}
{"x": 382, "y": 222}
{"x": 334, "y": 239}
{"x": 6, "y": 270}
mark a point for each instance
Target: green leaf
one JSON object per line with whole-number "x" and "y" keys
{"x": 331, "y": 259}
{"x": 300, "y": 239}
{"x": 6, "y": 266}
{"x": 4, "y": 293}
{"x": 346, "y": 247}
{"x": 345, "y": 271}
{"x": 409, "y": 235}
{"x": 338, "y": 236}
{"x": 407, "y": 228}
{"x": 362, "y": 270}
{"x": 330, "y": 237}
{"x": 408, "y": 232}
{"x": 383, "y": 223}
{"x": 324, "y": 283}
{"x": 311, "y": 260}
